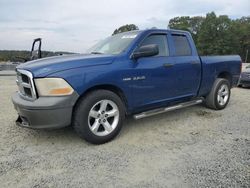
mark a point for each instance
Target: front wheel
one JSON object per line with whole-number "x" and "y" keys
{"x": 219, "y": 95}
{"x": 98, "y": 116}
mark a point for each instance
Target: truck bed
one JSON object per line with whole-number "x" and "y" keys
{"x": 215, "y": 65}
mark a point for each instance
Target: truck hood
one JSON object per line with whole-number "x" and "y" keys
{"x": 44, "y": 67}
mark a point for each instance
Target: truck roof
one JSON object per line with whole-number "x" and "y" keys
{"x": 161, "y": 30}
{"x": 166, "y": 30}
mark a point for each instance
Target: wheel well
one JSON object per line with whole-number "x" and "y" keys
{"x": 226, "y": 75}
{"x": 112, "y": 88}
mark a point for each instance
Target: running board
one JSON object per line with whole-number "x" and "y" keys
{"x": 167, "y": 109}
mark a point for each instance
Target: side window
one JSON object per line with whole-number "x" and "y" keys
{"x": 181, "y": 44}
{"x": 160, "y": 40}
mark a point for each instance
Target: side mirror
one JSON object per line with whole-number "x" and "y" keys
{"x": 146, "y": 51}
{"x": 36, "y": 52}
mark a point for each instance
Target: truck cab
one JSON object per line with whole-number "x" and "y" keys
{"x": 174, "y": 74}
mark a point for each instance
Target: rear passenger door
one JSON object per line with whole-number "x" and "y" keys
{"x": 187, "y": 65}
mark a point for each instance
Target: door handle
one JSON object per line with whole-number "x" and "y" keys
{"x": 195, "y": 62}
{"x": 168, "y": 65}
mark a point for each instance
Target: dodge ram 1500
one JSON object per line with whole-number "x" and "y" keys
{"x": 139, "y": 73}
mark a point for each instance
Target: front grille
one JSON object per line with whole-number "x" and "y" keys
{"x": 26, "y": 85}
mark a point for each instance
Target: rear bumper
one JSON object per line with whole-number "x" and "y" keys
{"x": 44, "y": 112}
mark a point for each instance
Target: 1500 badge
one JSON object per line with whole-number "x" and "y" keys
{"x": 134, "y": 78}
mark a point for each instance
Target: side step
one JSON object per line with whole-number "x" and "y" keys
{"x": 167, "y": 109}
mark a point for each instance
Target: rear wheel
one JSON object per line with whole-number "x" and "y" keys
{"x": 219, "y": 95}
{"x": 98, "y": 116}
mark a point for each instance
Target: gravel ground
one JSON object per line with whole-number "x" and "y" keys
{"x": 192, "y": 147}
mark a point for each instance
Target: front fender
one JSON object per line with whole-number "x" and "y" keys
{"x": 83, "y": 79}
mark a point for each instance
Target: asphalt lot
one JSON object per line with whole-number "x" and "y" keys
{"x": 192, "y": 147}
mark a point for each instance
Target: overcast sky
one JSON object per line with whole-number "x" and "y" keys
{"x": 78, "y": 24}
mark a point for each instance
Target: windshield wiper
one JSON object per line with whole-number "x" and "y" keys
{"x": 96, "y": 53}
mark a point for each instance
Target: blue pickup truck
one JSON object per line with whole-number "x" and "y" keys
{"x": 138, "y": 73}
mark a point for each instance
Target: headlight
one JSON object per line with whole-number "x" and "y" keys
{"x": 53, "y": 87}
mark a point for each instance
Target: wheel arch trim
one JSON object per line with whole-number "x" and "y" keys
{"x": 226, "y": 75}
{"x": 110, "y": 87}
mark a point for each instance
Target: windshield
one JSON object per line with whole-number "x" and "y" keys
{"x": 114, "y": 44}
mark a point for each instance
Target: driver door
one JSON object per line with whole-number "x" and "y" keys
{"x": 154, "y": 81}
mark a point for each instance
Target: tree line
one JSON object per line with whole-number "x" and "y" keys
{"x": 23, "y": 55}
{"x": 213, "y": 35}
{"x": 217, "y": 35}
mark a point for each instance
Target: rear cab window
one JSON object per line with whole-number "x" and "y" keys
{"x": 181, "y": 44}
{"x": 160, "y": 40}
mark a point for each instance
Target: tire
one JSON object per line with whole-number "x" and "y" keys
{"x": 218, "y": 97}
{"x": 98, "y": 116}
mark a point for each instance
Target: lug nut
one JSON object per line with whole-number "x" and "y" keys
{"x": 106, "y": 115}
{"x": 104, "y": 120}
